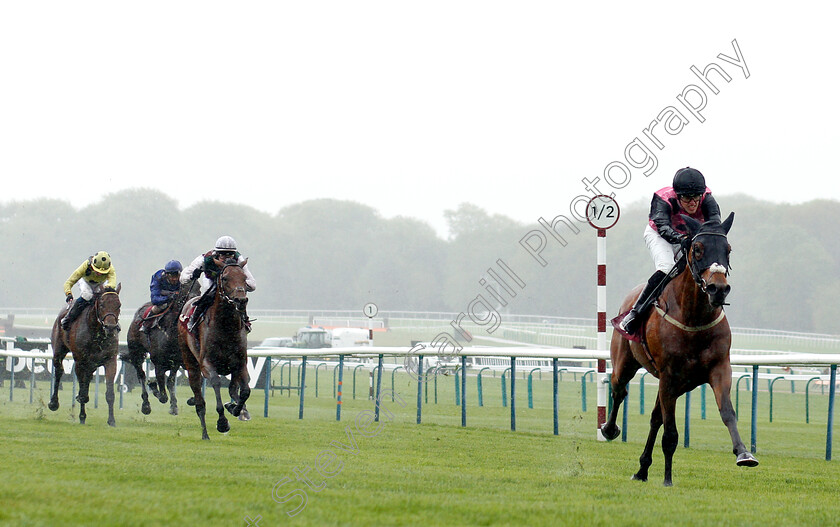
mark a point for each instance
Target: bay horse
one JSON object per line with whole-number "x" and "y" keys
{"x": 161, "y": 343}
{"x": 685, "y": 343}
{"x": 219, "y": 346}
{"x": 93, "y": 339}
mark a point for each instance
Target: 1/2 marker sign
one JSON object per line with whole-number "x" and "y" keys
{"x": 602, "y": 212}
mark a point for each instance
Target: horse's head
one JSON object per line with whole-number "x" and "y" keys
{"x": 232, "y": 285}
{"x": 708, "y": 257}
{"x": 107, "y": 308}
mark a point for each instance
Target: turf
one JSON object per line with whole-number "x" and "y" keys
{"x": 155, "y": 470}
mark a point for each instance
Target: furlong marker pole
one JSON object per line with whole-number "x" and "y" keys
{"x": 602, "y": 332}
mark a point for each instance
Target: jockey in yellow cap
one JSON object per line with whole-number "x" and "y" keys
{"x": 95, "y": 271}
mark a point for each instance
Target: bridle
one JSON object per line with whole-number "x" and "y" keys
{"x": 696, "y": 272}
{"x": 222, "y": 293}
{"x": 101, "y": 319}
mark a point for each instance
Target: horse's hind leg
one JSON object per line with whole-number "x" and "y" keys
{"x": 647, "y": 454}
{"x": 194, "y": 376}
{"x": 159, "y": 389}
{"x": 720, "y": 380}
{"x": 110, "y": 376}
{"x": 670, "y": 435}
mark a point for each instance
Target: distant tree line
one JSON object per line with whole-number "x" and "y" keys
{"x": 330, "y": 254}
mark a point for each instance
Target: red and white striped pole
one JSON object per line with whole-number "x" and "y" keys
{"x": 602, "y": 213}
{"x": 602, "y": 331}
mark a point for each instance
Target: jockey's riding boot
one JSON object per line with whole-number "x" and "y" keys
{"x": 77, "y": 307}
{"x": 201, "y": 306}
{"x": 634, "y": 317}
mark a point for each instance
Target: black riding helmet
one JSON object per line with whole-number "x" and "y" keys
{"x": 689, "y": 181}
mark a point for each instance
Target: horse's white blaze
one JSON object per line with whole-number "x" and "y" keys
{"x": 717, "y": 268}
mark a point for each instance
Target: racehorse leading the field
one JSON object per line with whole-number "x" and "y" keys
{"x": 219, "y": 346}
{"x": 93, "y": 339}
{"x": 687, "y": 344}
{"x": 161, "y": 343}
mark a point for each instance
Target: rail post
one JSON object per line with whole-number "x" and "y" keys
{"x": 393, "y": 390}
{"x": 420, "y": 384}
{"x": 770, "y": 389}
{"x": 754, "y": 424}
{"x": 463, "y": 390}
{"x": 479, "y": 388}
{"x": 302, "y": 373}
{"x": 504, "y": 388}
{"x": 378, "y": 388}
{"x": 324, "y": 364}
{"x": 807, "y": 403}
{"x": 554, "y": 396}
{"x": 531, "y": 388}
{"x": 513, "y": 393}
{"x": 830, "y": 426}
{"x": 340, "y": 387}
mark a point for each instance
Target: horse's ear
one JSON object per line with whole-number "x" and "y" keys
{"x": 692, "y": 224}
{"x": 244, "y": 262}
{"x": 727, "y": 223}
{"x": 119, "y": 286}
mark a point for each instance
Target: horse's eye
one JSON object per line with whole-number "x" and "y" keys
{"x": 698, "y": 251}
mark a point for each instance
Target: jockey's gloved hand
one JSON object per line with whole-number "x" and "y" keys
{"x": 685, "y": 242}
{"x": 69, "y": 297}
{"x": 196, "y": 274}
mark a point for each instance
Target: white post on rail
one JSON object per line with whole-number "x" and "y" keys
{"x": 602, "y": 213}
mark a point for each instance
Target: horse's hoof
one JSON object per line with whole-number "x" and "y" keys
{"x": 173, "y": 410}
{"x": 163, "y": 398}
{"x": 244, "y": 415}
{"x": 112, "y": 424}
{"x": 53, "y": 405}
{"x": 204, "y": 436}
{"x": 610, "y": 434}
{"x": 223, "y": 426}
{"x": 637, "y": 477}
{"x": 191, "y": 401}
{"x": 746, "y": 460}
{"x": 146, "y": 408}
{"x": 667, "y": 483}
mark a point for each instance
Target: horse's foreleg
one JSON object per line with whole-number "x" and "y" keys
{"x": 84, "y": 387}
{"x": 625, "y": 367}
{"x": 222, "y": 425}
{"x": 170, "y": 386}
{"x": 58, "y": 372}
{"x": 136, "y": 357}
{"x": 670, "y": 435}
{"x": 721, "y": 382}
{"x": 647, "y": 454}
{"x": 110, "y": 377}
{"x": 160, "y": 384}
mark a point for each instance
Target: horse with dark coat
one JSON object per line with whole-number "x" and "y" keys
{"x": 685, "y": 343}
{"x": 93, "y": 339}
{"x": 161, "y": 343}
{"x": 219, "y": 346}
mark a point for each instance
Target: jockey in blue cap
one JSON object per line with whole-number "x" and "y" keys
{"x": 164, "y": 286}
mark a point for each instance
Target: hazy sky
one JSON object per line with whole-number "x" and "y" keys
{"x": 413, "y": 108}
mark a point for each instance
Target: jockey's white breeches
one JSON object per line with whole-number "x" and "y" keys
{"x": 86, "y": 289}
{"x": 661, "y": 251}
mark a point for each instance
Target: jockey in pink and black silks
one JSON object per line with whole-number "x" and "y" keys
{"x": 666, "y": 232}
{"x": 210, "y": 265}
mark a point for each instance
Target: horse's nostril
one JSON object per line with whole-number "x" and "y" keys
{"x": 727, "y": 289}
{"x": 711, "y": 289}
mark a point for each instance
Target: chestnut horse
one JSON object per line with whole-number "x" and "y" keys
{"x": 161, "y": 343}
{"x": 685, "y": 344}
{"x": 219, "y": 346}
{"x": 93, "y": 339}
